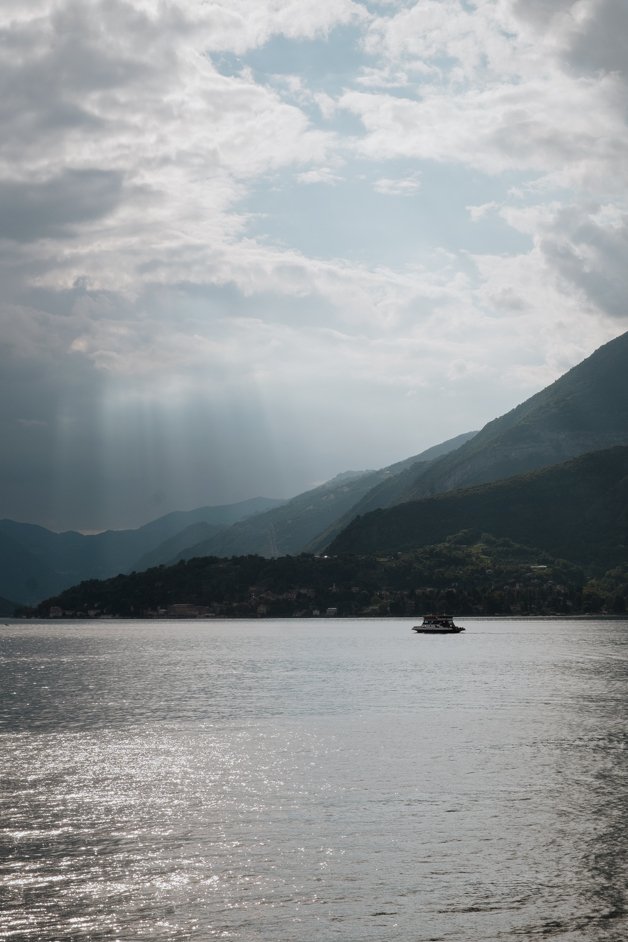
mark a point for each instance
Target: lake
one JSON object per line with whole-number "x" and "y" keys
{"x": 305, "y": 781}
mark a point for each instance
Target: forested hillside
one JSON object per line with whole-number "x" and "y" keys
{"x": 576, "y": 511}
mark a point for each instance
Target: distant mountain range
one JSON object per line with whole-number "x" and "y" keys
{"x": 584, "y": 413}
{"x": 7, "y": 608}
{"x": 307, "y": 521}
{"x": 36, "y": 562}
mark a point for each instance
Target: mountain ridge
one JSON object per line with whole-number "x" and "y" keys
{"x": 36, "y": 562}
{"x": 584, "y": 410}
{"x": 575, "y": 511}
{"x": 293, "y": 527}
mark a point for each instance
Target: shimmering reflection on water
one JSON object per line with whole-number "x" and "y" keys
{"x": 284, "y": 781}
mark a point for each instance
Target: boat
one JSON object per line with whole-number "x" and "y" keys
{"x": 438, "y": 625}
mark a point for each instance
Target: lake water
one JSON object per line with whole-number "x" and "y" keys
{"x": 305, "y": 781}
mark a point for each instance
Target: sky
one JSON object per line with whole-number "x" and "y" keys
{"x": 246, "y": 245}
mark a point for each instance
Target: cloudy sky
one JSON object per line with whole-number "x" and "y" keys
{"x": 248, "y": 244}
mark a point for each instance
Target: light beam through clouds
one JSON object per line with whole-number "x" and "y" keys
{"x": 244, "y": 246}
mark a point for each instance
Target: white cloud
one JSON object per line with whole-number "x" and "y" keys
{"x": 175, "y": 136}
{"x": 432, "y": 34}
{"x": 131, "y": 156}
{"x": 503, "y": 86}
{"x": 398, "y": 186}
{"x": 570, "y": 131}
{"x": 319, "y": 175}
{"x": 238, "y": 25}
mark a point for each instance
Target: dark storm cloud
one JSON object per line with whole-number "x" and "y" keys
{"x": 55, "y": 70}
{"x": 74, "y": 43}
{"x": 601, "y": 42}
{"x": 30, "y": 211}
{"x": 541, "y": 11}
{"x": 593, "y": 41}
{"x": 590, "y": 254}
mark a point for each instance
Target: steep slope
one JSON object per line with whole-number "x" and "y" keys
{"x": 293, "y": 527}
{"x": 169, "y": 549}
{"x": 285, "y": 530}
{"x": 576, "y": 511}
{"x": 389, "y": 489}
{"x": 585, "y": 410}
{"x": 172, "y": 533}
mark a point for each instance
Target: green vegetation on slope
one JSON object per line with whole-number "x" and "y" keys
{"x": 576, "y": 511}
{"x": 467, "y": 574}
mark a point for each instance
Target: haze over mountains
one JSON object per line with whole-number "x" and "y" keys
{"x": 36, "y": 563}
{"x": 303, "y": 523}
{"x": 585, "y": 412}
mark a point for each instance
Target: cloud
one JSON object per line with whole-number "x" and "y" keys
{"x": 398, "y": 186}
{"x": 578, "y": 258}
{"x": 598, "y": 41}
{"x": 238, "y": 25}
{"x": 500, "y": 91}
{"x": 319, "y": 175}
{"x": 106, "y": 96}
{"x": 54, "y": 207}
{"x": 434, "y": 37}
{"x": 588, "y": 249}
{"x": 178, "y": 281}
{"x": 499, "y": 129}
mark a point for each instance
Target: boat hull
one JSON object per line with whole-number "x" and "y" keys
{"x": 438, "y": 624}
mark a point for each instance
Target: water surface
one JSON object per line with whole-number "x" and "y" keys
{"x": 298, "y": 781}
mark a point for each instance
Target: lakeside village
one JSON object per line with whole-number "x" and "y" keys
{"x": 532, "y": 593}
{"x": 484, "y": 577}
{"x": 189, "y": 610}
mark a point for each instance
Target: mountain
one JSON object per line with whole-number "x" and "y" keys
{"x": 388, "y": 489}
{"x": 175, "y": 529}
{"x": 7, "y": 608}
{"x": 298, "y": 525}
{"x": 170, "y": 548}
{"x": 488, "y": 576}
{"x": 36, "y": 562}
{"x": 287, "y": 529}
{"x": 577, "y": 511}
{"x": 24, "y": 575}
{"x": 585, "y": 410}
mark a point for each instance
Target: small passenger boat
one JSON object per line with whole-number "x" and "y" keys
{"x": 438, "y": 625}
